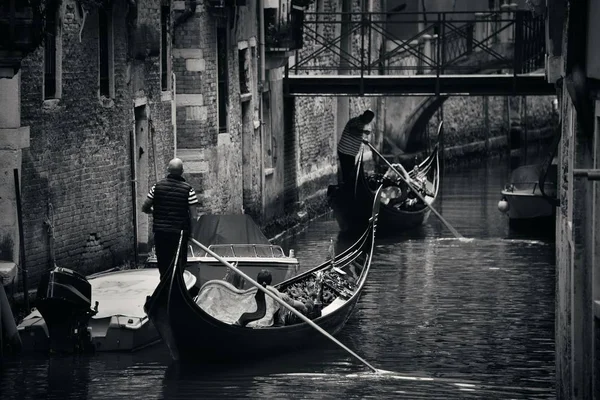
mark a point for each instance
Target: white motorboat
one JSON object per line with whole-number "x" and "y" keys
{"x": 120, "y": 323}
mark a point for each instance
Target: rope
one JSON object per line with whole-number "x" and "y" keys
{"x": 49, "y": 222}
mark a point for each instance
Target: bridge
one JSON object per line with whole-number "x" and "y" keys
{"x": 426, "y": 54}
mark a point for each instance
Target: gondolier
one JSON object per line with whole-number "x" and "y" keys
{"x": 172, "y": 202}
{"x": 350, "y": 142}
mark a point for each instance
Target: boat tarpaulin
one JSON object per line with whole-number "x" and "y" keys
{"x": 228, "y": 229}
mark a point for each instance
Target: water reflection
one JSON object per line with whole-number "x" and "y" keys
{"x": 447, "y": 318}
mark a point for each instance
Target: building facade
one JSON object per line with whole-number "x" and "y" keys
{"x": 96, "y": 99}
{"x": 119, "y": 87}
{"x": 573, "y": 64}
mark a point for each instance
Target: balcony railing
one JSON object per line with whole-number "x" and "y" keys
{"x": 420, "y": 43}
{"x": 284, "y": 31}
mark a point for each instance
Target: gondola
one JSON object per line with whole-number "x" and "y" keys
{"x": 226, "y": 323}
{"x": 400, "y": 209}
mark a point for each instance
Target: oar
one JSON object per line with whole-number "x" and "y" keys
{"x": 454, "y": 231}
{"x": 283, "y": 303}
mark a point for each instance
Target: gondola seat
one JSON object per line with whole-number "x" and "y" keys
{"x": 223, "y": 301}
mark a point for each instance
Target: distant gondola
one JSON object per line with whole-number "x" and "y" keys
{"x": 223, "y": 322}
{"x": 400, "y": 209}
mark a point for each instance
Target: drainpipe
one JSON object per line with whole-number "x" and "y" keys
{"x": 186, "y": 14}
{"x": 174, "y": 114}
{"x": 261, "y": 84}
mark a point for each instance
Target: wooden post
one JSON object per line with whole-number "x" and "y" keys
{"x": 486, "y": 123}
{"x": 22, "y": 264}
{"x": 441, "y": 142}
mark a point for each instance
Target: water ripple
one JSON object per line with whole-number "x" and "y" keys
{"x": 441, "y": 318}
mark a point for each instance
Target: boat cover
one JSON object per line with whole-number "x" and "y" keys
{"x": 238, "y": 230}
{"x": 527, "y": 176}
{"x": 223, "y": 301}
{"x": 228, "y": 229}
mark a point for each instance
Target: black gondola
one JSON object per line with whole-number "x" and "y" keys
{"x": 208, "y": 332}
{"x": 351, "y": 205}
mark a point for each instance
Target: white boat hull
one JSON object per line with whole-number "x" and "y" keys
{"x": 525, "y": 205}
{"x": 121, "y": 323}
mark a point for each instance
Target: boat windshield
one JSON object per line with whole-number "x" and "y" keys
{"x": 239, "y": 250}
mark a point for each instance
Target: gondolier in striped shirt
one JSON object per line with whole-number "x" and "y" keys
{"x": 172, "y": 202}
{"x": 350, "y": 142}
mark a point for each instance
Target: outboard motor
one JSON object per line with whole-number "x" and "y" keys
{"x": 64, "y": 299}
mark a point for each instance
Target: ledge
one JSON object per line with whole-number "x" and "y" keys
{"x": 245, "y": 97}
{"x": 269, "y": 171}
{"x": 51, "y": 104}
{"x": 8, "y": 271}
{"x": 166, "y": 95}
{"x": 106, "y": 102}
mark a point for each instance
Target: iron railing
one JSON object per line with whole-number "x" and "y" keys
{"x": 437, "y": 43}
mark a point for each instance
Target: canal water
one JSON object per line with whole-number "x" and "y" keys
{"x": 441, "y": 318}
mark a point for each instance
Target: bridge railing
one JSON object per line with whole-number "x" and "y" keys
{"x": 375, "y": 43}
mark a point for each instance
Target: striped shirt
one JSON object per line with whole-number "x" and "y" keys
{"x": 192, "y": 199}
{"x": 352, "y": 137}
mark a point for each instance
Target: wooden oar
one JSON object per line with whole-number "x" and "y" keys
{"x": 454, "y": 231}
{"x": 283, "y": 303}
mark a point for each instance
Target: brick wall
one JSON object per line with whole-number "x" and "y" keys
{"x": 76, "y": 173}
{"x": 317, "y": 128}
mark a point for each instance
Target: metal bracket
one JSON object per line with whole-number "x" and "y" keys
{"x": 590, "y": 174}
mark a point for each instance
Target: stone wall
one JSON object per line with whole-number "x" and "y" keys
{"x": 77, "y": 170}
{"x": 466, "y": 119}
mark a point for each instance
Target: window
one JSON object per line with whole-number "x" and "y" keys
{"x": 165, "y": 75}
{"x": 52, "y": 53}
{"x": 244, "y": 68}
{"x": 254, "y": 67}
{"x": 222, "y": 71}
{"x": 105, "y": 39}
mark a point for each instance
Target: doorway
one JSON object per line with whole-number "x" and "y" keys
{"x": 290, "y": 171}
{"x": 247, "y": 152}
{"x": 141, "y": 175}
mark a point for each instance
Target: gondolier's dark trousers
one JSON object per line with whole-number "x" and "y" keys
{"x": 347, "y": 164}
{"x": 165, "y": 244}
